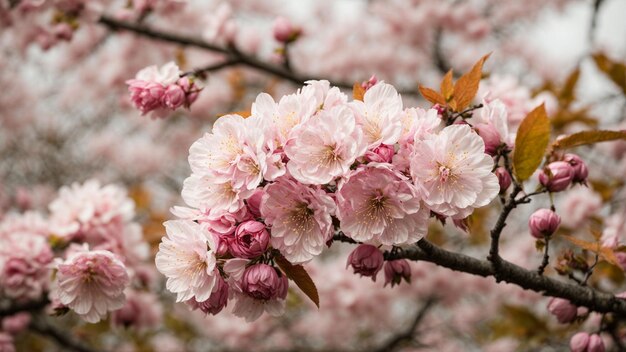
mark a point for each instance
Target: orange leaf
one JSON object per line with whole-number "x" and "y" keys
{"x": 531, "y": 142}
{"x": 615, "y": 71}
{"x": 447, "y": 88}
{"x": 432, "y": 96}
{"x": 588, "y": 137}
{"x": 358, "y": 92}
{"x": 300, "y": 277}
{"x": 605, "y": 252}
{"x": 466, "y": 87}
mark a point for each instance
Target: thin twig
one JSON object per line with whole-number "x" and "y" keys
{"x": 409, "y": 333}
{"x": 546, "y": 257}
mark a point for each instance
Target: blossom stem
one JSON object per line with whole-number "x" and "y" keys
{"x": 546, "y": 257}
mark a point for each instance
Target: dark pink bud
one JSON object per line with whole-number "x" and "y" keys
{"x": 251, "y": 240}
{"x": 396, "y": 270}
{"x": 580, "y": 168}
{"x": 6, "y": 342}
{"x": 543, "y": 222}
{"x": 381, "y": 154}
{"x": 254, "y": 203}
{"x": 284, "y": 31}
{"x": 15, "y": 324}
{"x": 174, "y": 97}
{"x": 557, "y": 176}
{"x": 366, "y": 260}
{"x": 579, "y": 342}
{"x": 504, "y": 177}
{"x": 595, "y": 344}
{"x": 216, "y": 302}
{"x": 564, "y": 311}
{"x": 490, "y": 136}
{"x": 261, "y": 281}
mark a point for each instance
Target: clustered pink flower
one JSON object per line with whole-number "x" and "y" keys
{"x": 157, "y": 90}
{"x": 91, "y": 283}
{"x": 281, "y": 182}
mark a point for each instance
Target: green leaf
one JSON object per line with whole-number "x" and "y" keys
{"x": 531, "y": 142}
{"x": 588, "y": 137}
{"x": 300, "y": 277}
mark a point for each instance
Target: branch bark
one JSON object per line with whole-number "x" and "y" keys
{"x": 41, "y": 326}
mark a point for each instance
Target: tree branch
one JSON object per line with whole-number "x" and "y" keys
{"x": 407, "y": 335}
{"x": 40, "y": 325}
{"x": 508, "y": 272}
{"x": 14, "y": 308}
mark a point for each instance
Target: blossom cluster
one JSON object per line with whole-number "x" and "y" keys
{"x": 83, "y": 256}
{"x": 160, "y": 90}
{"x": 282, "y": 182}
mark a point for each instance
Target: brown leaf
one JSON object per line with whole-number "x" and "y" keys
{"x": 432, "y": 96}
{"x": 466, "y": 87}
{"x": 588, "y": 137}
{"x": 300, "y": 277}
{"x": 615, "y": 71}
{"x": 531, "y": 142}
{"x": 358, "y": 92}
{"x": 447, "y": 88}
{"x": 605, "y": 253}
{"x": 567, "y": 94}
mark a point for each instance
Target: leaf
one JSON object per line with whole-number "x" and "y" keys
{"x": 432, "y": 96}
{"x": 605, "y": 253}
{"x": 466, "y": 87}
{"x": 531, "y": 142}
{"x": 300, "y": 277}
{"x": 615, "y": 71}
{"x": 568, "y": 92}
{"x": 447, "y": 88}
{"x": 588, "y": 137}
{"x": 358, "y": 92}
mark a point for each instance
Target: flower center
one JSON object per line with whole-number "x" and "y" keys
{"x": 444, "y": 173}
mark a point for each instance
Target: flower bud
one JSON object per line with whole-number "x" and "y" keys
{"x": 579, "y": 342}
{"x": 557, "y": 176}
{"x": 251, "y": 240}
{"x": 564, "y": 311}
{"x": 174, "y": 97}
{"x": 595, "y": 344}
{"x": 543, "y": 222}
{"x": 381, "y": 154}
{"x": 369, "y": 83}
{"x": 504, "y": 178}
{"x": 16, "y": 323}
{"x": 6, "y": 342}
{"x": 260, "y": 281}
{"x": 490, "y": 136}
{"x": 580, "y": 168}
{"x": 366, "y": 260}
{"x": 146, "y": 96}
{"x": 215, "y": 303}
{"x": 396, "y": 270}
{"x": 284, "y": 31}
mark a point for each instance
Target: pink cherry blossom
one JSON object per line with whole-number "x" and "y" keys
{"x": 366, "y": 260}
{"x": 142, "y": 311}
{"x": 91, "y": 283}
{"x": 251, "y": 240}
{"x": 543, "y": 222}
{"x": 208, "y": 193}
{"x": 454, "y": 171}
{"x": 186, "y": 257}
{"x": 562, "y": 309}
{"x": 6, "y": 342}
{"x": 215, "y": 303}
{"x": 326, "y": 147}
{"x": 377, "y": 204}
{"x": 300, "y": 218}
{"x": 260, "y": 289}
{"x": 396, "y": 271}
{"x": 380, "y": 114}
{"x": 557, "y": 176}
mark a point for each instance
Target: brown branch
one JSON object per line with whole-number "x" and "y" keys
{"x": 546, "y": 257}
{"x": 67, "y": 342}
{"x": 508, "y": 272}
{"x": 15, "y": 308}
{"x": 408, "y": 334}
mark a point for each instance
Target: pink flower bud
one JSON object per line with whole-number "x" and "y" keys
{"x": 261, "y": 281}
{"x": 557, "y": 176}
{"x": 396, "y": 270}
{"x": 6, "y": 342}
{"x": 62, "y": 31}
{"x": 579, "y": 342}
{"x": 215, "y": 303}
{"x": 381, "y": 154}
{"x": 504, "y": 177}
{"x": 621, "y": 259}
{"x": 366, "y": 260}
{"x": 174, "y": 97}
{"x": 251, "y": 240}
{"x": 490, "y": 136}
{"x": 15, "y": 324}
{"x": 254, "y": 203}
{"x": 284, "y": 31}
{"x": 564, "y": 311}
{"x": 369, "y": 83}
{"x": 543, "y": 222}
{"x": 580, "y": 168}
{"x": 146, "y": 96}
{"x": 595, "y": 344}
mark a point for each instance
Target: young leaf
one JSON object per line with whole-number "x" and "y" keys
{"x": 605, "y": 253}
{"x": 358, "y": 92}
{"x": 567, "y": 93}
{"x": 531, "y": 142}
{"x": 615, "y": 71}
{"x": 300, "y": 277}
{"x": 447, "y": 88}
{"x": 432, "y": 96}
{"x": 588, "y": 137}
{"x": 466, "y": 87}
